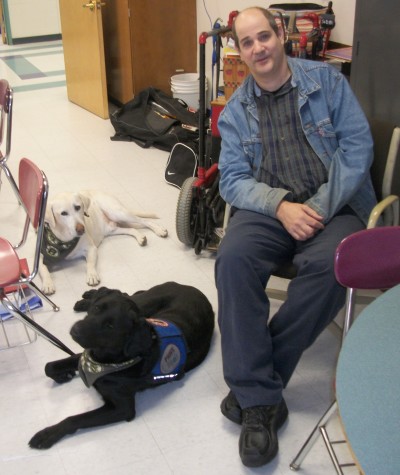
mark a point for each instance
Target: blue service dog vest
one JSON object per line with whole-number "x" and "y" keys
{"x": 173, "y": 351}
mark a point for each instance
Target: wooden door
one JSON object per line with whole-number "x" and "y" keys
{"x": 117, "y": 48}
{"x": 82, "y": 34}
{"x": 163, "y": 41}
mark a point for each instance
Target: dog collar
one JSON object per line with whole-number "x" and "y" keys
{"x": 90, "y": 370}
{"x": 53, "y": 249}
{"x": 173, "y": 351}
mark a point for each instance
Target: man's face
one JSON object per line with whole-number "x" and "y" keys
{"x": 259, "y": 46}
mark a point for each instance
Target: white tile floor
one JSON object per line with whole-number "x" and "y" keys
{"x": 178, "y": 429}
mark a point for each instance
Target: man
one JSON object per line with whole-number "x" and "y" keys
{"x": 294, "y": 164}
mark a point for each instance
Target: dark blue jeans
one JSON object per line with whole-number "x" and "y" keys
{"x": 260, "y": 355}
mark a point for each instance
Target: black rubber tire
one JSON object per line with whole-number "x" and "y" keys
{"x": 186, "y": 213}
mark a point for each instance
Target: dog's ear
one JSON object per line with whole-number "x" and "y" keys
{"x": 90, "y": 294}
{"x": 49, "y": 217}
{"x": 84, "y": 304}
{"x": 104, "y": 291}
{"x": 140, "y": 339}
{"x": 86, "y": 203}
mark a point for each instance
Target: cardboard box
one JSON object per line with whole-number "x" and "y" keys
{"x": 235, "y": 72}
{"x": 216, "y": 108}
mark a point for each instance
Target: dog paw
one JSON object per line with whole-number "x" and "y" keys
{"x": 162, "y": 232}
{"x": 59, "y": 375}
{"x": 46, "y": 438}
{"x": 48, "y": 288}
{"x": 142, "y": 240}
{"x": 63, "y": 377}
{"x": 92, "y": 279}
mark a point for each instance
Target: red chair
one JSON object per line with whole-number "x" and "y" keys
{"x": 6, "y": 102}
{"x": 14, "y": 274}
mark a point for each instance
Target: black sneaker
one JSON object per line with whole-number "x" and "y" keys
{"x": 230, "y": 408}
{"x": 258, "y": 443}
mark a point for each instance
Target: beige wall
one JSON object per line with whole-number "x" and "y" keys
{"x": 30, "y": 18}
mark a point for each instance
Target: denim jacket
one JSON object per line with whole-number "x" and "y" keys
{"x": 335, "y": 127}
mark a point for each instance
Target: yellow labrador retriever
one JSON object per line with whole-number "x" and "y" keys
{"x": 76, "y": 224}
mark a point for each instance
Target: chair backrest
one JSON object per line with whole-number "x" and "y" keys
{"x": 369, "y": 259}
{"x": 6, "y": 100}
{"x": 385, "y": 170}
{"x": 34, "y": 190}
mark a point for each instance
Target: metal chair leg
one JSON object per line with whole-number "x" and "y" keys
{"x": 36, "y": 289}
{"x": 309, "y": 443}
{"x": 329, "y": 446}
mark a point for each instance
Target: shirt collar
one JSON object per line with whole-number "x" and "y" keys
{"x": 281, "y": 91}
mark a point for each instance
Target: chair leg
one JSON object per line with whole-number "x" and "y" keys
{"x": 16, "y": 312}
{"x": 329, "y": 446}
{"x": 312, "y": 438}
{"x": 349, "y": 311}
{"x": 36, "y": 289}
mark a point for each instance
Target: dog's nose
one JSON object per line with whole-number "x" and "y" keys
{"x": 76, "y": 331}
{"x": 80, "y": 229}
{"x": 73, "y": 332}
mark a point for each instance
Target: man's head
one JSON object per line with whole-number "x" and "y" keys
{"x": 268, "y": 15}
{"x": 260, "y": 42}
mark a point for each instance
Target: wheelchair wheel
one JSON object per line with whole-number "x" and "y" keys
{"x": 186, "y": 213}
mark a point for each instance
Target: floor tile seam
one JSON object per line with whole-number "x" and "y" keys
{"x": 27, "y": 88}
{"x": 6, "y": 54}
{"x": 40, "y": 79}
{"x": 159, "y": 448}
{"x": 14, "y": 48}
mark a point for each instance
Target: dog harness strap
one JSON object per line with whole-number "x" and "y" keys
{"x": 53, "y": 249}
{"x": 90, "y": 370}
{"x": 173, "y": 352}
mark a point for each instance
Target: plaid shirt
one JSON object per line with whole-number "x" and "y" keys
{"x": 288, "y": 162}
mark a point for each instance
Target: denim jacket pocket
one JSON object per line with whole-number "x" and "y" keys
{"x": 253, "y": 148}
{"x": 322, "y": 138}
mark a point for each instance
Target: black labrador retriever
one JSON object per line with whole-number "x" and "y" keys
{"x": 131, "y": 343}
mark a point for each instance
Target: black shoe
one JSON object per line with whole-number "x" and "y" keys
{"x": 258, "y": 443}
{"x": 230, "y": 408}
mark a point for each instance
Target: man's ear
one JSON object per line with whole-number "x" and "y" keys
{"x": 240, "y": 54}
{"x": 282, "y": 34}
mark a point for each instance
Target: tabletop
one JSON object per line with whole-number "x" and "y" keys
{"x": 368, "y": 385}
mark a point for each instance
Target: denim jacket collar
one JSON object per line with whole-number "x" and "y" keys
{"x": 335, "y": 127}
{"x": 304, "y": 82}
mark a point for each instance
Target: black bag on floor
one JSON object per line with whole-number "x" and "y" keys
{"x": 154, "y": 119}
{"x": 182, "y": 163}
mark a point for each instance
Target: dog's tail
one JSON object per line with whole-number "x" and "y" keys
{"x": 146, "y": 214}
